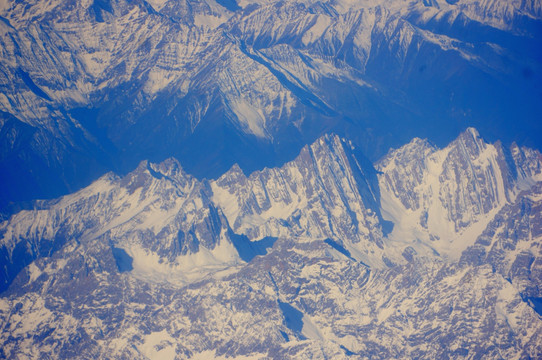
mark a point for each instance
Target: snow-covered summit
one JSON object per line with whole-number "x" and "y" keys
{"x": 446, "y": 197}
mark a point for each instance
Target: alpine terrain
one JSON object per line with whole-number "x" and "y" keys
{"x": 91, "y": 86}
{"x": 270, "y": 179}
{"x": 428, "y": 253}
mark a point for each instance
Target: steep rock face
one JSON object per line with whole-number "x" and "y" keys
{"x": 404, "y": 170}
{"x": 511, "y": 243}
{"x": 472, "y": 180}
{"x": 326, "y": 192}
{"x": 528, "y": 163}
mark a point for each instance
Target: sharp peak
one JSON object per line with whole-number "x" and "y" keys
{"x": 236, "y": 168}
{"x": 331, "y": 136}
{"x": 469, "y": 136}
{"x": 326, "y": 142}
{"x": 169, "y": 163}
{"x": 332, "y": 140}
{"x": 170, "y": 168}
{"x": 417, "y": 144}
{"x": 470, "y": 131}
{"x": 420, "y": 141}
{"x": 234, "y": 171}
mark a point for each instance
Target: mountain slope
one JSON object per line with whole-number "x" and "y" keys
{"x": 157, "y": 212}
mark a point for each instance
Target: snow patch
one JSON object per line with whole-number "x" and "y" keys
{"x": 209, "y": 21}
{"x": 157, "y": 4}
{"x": 317, "y": 30}
{"x": 229, "y": 204}
{"x": 211, "y": 354}
{"x": 33, "y": 272}
{"x": 158, "y": 345}
{"x": 310, "y": 330}
{"x": 158, "y": 79}
{"x": 250, "y": 118}
{"x": 220, "y": 261}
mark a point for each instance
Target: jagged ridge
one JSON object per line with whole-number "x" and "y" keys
{"x": 109, "y": 83}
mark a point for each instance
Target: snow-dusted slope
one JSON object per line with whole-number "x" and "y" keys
{"x": 290, "y": 262}
{"x": 511, "y": 243}
{"x": 157, "y": 215}
{"x": 445, "y": 197}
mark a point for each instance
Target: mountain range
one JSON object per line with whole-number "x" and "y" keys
{"x": 91, "y": 86}
{"x": 270, "y": 179}
{"x": 427, "y": 253}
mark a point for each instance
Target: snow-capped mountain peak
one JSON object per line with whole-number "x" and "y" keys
{"x": 446, "y": 197}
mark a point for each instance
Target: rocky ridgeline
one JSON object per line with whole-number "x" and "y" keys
{"x": 93, "y": 86}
